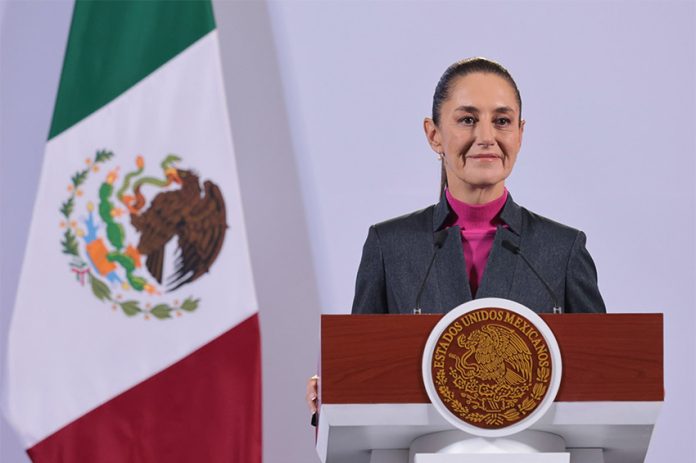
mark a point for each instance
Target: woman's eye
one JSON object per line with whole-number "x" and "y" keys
{"x": 502, "y": 121}
{"x": 467, "y": 120}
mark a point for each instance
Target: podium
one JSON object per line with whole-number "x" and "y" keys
{"x": 373, "y": 404}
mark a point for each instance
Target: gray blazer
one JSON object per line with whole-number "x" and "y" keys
{"x": 397, "y": 253}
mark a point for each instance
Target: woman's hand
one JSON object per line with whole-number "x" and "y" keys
{"x": 312, "y": 393}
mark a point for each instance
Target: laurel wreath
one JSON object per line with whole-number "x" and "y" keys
{"x": 133, "y": 307}
{"x": 528, "y": 404}
{"x": 100, "y": 289}
{"x": 69, "y": 242}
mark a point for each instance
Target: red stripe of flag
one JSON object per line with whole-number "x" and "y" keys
{"x": 205, "y": 407}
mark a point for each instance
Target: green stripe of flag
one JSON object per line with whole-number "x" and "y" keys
{"x": 115, "y": 44}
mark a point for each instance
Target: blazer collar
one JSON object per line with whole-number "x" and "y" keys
{"x": 511, "y": 214}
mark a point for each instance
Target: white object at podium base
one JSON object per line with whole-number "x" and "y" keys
{"x": 493, "y": 458}
{"x": 383, "y": 433}
{"x": 401, "y": 456}
{"x": 523, "y": 447}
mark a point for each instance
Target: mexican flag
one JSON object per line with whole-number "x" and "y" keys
{"x": 135, "y": 335}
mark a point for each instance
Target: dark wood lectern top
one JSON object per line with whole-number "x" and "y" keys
{"x": 377, "y": 358}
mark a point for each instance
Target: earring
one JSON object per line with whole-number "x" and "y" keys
{"x": 440, "y": 156}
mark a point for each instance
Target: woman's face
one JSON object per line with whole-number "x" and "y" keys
{"x": 479, "y": 135}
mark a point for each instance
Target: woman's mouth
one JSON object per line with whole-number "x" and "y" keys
{"x": 484, "y": 156}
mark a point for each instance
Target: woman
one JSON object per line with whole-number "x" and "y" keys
{"x": 476, "y": 242}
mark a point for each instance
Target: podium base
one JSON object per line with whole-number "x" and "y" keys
{"x": 401, "y": 456}
{"x": 526, "y": 446}
{"x": 493, "y": 458}
{"x": 594, "y": 432}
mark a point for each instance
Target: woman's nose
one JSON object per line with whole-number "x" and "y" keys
{"x": 484, "y": 134}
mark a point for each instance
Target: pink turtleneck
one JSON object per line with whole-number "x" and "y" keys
{"x": 478, "y": 224}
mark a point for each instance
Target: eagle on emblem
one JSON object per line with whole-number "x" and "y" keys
{"x": 194, "y": 215}
{"x": 499, "y": 355}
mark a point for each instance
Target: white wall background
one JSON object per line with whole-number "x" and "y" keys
{"x": 327, "y": 100}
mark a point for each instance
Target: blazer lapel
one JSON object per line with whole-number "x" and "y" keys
{"x": 500, "y": 267}
{"x": 450, "y": 271}
{"x": 502, "y": 263}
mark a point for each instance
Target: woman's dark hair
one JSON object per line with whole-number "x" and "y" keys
{"x": 461, "y": 69}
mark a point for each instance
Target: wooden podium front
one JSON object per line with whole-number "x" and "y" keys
{"x": 373, "y": 402}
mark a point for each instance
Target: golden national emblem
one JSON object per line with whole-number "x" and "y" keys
{"x": 491, "y": 367}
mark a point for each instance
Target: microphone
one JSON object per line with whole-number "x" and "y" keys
{"x": 507, "y": 244}
{"x": 440, "y": 238}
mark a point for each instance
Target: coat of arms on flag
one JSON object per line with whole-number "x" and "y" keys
{"x": 119, "y": 224}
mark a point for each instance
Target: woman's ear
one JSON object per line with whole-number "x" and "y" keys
{"x": 433, "y": 135}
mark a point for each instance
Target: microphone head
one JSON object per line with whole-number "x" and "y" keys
{"x": 507, "y": 244}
